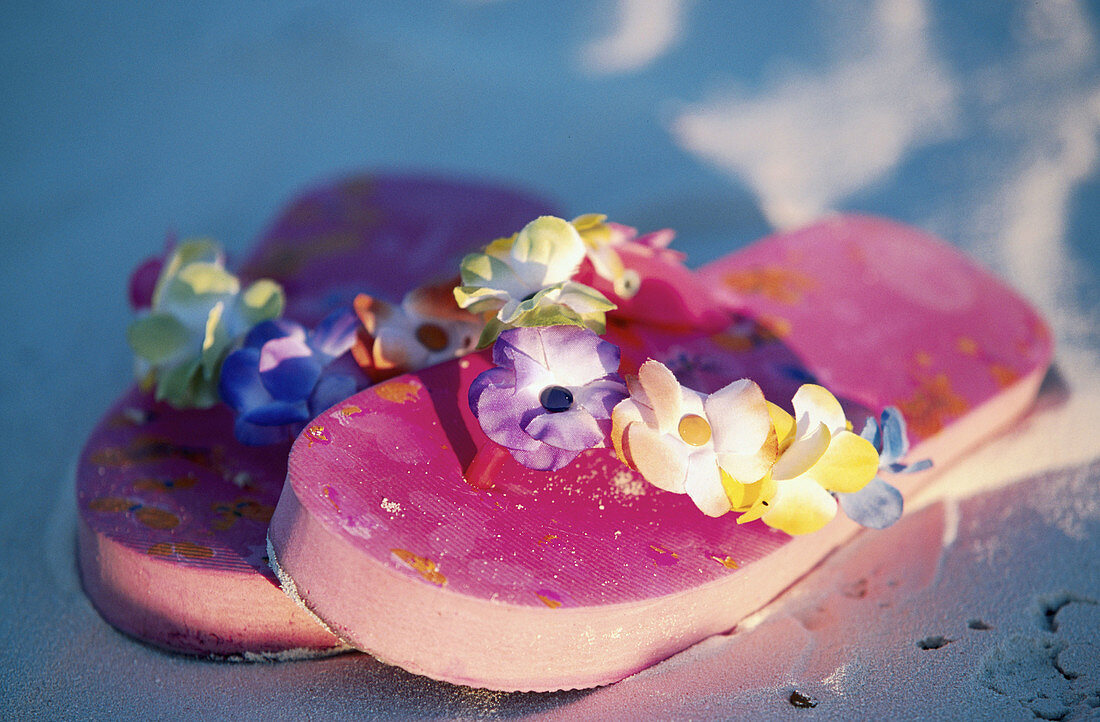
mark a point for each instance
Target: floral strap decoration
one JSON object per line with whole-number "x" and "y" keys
{"x": 427, "y": 328}
{"x": 550, "y": 395}
{"x": 879, "y": 504}
{"x": 555, "y": 392}
{"x": 284, "y": 375}
{"x": 197, "y": 313}
{"x": 600, "y": 240}
{"x": 525, "y": 281}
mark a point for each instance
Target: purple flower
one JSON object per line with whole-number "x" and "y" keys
{"x": 283, "y": 376}
{"x": 550, "y": 396}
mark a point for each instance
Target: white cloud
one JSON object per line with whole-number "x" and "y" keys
{"x": 643, "y": 31}
{"x": 815, "y": 137}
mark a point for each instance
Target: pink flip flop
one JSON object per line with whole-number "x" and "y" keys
{"x": 173, "y": 511}
{"x": 547, "y": 580}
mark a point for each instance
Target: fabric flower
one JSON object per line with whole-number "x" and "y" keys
{"x": 284, "y": 376}
{"x": 879, "y": 504}
{"x": 600, "y": 239}
{"x": 818, "y": 454}
{"x": 198, "y": 313}
{"x": 691, "y": 443}
{"x": 426, "y": 329}
{"x": 550, "y": 395}
{"x": 525, "y": 281}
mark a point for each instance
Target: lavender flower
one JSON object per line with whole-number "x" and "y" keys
{"x": 551, "y": 394}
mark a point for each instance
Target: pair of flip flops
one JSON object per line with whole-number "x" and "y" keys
{"x": 539, "y": 580}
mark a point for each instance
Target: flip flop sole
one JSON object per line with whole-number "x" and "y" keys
{"x": 173, "y": 512}
{"x": 581, "y": 577}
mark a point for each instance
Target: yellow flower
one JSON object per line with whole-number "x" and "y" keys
{"x": 818, "y": 454}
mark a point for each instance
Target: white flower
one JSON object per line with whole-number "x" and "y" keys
{"x": 525, "y": 281}
{"x": 684, "y": 441}
{"x": 426, "y": 329}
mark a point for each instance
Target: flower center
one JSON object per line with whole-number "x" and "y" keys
{"x": 432, "y": 337}
{"x": 556, "y": 399}
{"x": 694, "y": 430}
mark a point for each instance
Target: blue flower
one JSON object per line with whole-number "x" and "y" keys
{"x": 284, "y": 376}
{"x": 879, "y": 504}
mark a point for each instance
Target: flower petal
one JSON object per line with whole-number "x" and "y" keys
{"x": 181, "y": 386}
{"x": 239, "y": 385}
{"x": 576, "y": 356}
{"x": 264, "y": 331}
{"x": 531, "y": 375}
{"x": 814, "y": 405}
{"x": 262, "y": 300}
{"x": 847, "y": 465}
{"x": 583, "y": 299}
{"x": 704, "y": 484}
{"x": 911, "y": 468}
{"x": 784, "y": 426}
{"x": 895, "y": 441}
{"x": 195, "y": 250}
{"x": 158, "y": 337}
{"x": 208, "y": 279}
{"x": 542, "y": 309}
{"x": 478, "y": 299}
{"x": 331, "y": 389}
{"x": 637, "y": 392}
{"x": 490, "y": 333}
{"x": 739, "y": 418}
{"x": 745, "y": 496}
{"x": 277, "y": 413}
{"x": 543, "y": 457}
{"x": 600, "y": 397}
{"x": 872, "y": 432}
{"x": 748, "y": 468}
{"x": 334, "y": 334}
{"x": 802, "y": 454}
{"x": 435, "y": 301}
{"x": 655, "y": 458}
{"x": 800, "y": 506}
{"x": 491, "y": 273}
{"x": 499, "y": 410}
{"x": 289, "y": 369}
{"x": 496, "y": 377}
{"x": 527, "y": 342}
{"x": 215, "y": 342}
{"x": 547, "y": 251}
{"x": 876, "y": 506}
{"x": 624, "y": 414}
{"x": 574, "y": 429}
{"x": 663, "y": 392}
{"x": 395, "y": 348}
